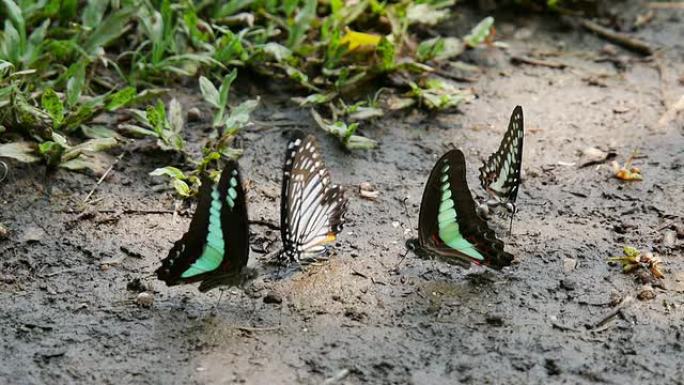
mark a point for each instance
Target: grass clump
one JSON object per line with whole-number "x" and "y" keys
{"x": 66, "y": 65}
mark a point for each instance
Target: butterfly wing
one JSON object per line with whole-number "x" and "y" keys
{"x": 500, "y": 174}
{"x": 217, "y": 242}
{"x": 311, "y": 208}
{"x": 449, "y": 226}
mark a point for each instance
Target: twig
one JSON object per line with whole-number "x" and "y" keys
{"x": 612, "y": 314}
{"x": 59, "y": 272}
{"x": 670, "y": 5}
{"x": 127, "y": 211}
{"x": 257, "y": 329}
{"x": 628, "y": 42}
{"x": 341, "y": 375}
{"x": 266, "y": 224}
{"x": 537, "y": 62}
{"x": 102, "y": 178}
{"x": 564, "y": 328}
{"x": 454, "y": 77}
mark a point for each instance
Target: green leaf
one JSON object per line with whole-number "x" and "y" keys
{"x": 301, "y": 24}
{"x": 345, "y": 133}
{"x": 175, "y": 116}
{"x": 51, "y": 152}
{"x": 169, "y": 171}
{"x": 426, "y": 14}
{"x": 239, "y": 116}
{"x": 230, "y": 48}
{"x": 110, "y": 29}
{"x": 356, "y": 142}
{"x": 68, "y": 10}
{"x": 14, "y": 13}
{"x": 181, "y": 187}
{"x": 156, "y": 115}
{"x": 91, "y": 145}
{"x": 98, "y": 132}
{"x": 231, "y": 7}
{"x": 386, "y": 51}
{"x": 121, "y": 98}
{"x": 137, "y": 130}
{"x": 11, "y": 45}
{"x": 18, "y": 26}
{"x": 480, "y": 32}
{"x": 278, "y": 52}
{"x": 51, "y": 103}
{"x": 75, "y": 83}
{"x": 94, "y": 12}
{"x": 96, "y": 162}
{"x": 209, "y": 92}
{"x": 21, "y": 151}
{"x": 223, "y": 96}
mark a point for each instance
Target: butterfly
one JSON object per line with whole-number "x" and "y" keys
{"x": 215, "y": 249}
{"x": 500, "y": 174}
{"x": 449, "y": 227}
{"x": 311, "y": 207}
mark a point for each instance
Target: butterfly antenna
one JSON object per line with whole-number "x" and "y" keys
{"x": 219, "y": 300}
{"x": 396, "y": 267}
{"x": 408, "y": 217}
{"x": 5, "y": 171}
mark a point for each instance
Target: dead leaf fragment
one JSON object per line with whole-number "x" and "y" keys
{"x": 367, "y": 191}
{"x": 672, "y": 112}
{"x": 646, "y": 293}
{"x": 626, "y": 172}
{"x": 592, "y": 155}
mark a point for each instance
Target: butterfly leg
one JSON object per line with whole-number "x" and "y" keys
{"x": 219, "y": 300}
{"x": 513, "y": 211}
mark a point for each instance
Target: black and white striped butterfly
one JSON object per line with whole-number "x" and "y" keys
{"x": 500, "y": 174}
{"x": 311, "y": 208}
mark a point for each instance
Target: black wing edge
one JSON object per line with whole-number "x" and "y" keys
{"x": 484, "y": 177}
{"x": 234, "y": 222}
{"x": 287, "y": 173}
{"x": 186, "y": 250}
{"x": 472, "y": 226}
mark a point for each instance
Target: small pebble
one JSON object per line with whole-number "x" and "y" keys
{"x": 568, "y": 284}
{"x": 32, "y": 234}
{"x": 145, "y": 299}
{"x": 7, "y": 278}
{"x": 3, "y": 232}
{"x": 569, "y": 264}
{"x": 194, "y": 114}
{"x": 669, "y": 238}
{"x": 494, "y": 320}
{"x": 366, "y": 190}
{"x": 273, "y": 297}
{"x": 614, "y": 298}
{"x": 609, "y": 50}
{"x": 646, "y": 293}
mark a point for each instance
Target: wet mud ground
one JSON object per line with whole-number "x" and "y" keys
{"x": 67, "y": 295}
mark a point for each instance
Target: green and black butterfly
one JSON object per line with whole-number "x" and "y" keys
{"x": 500, "y": 174}
{"x": 449, "y": 227}
{"x": 215, "y": 249}
{"x": 311, "y": 207}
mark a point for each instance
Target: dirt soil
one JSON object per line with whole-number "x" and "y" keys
{"x": 68, "y": 283}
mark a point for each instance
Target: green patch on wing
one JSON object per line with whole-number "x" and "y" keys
{"x": 447, "y": 219}
{"x": 214, "y": 249}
